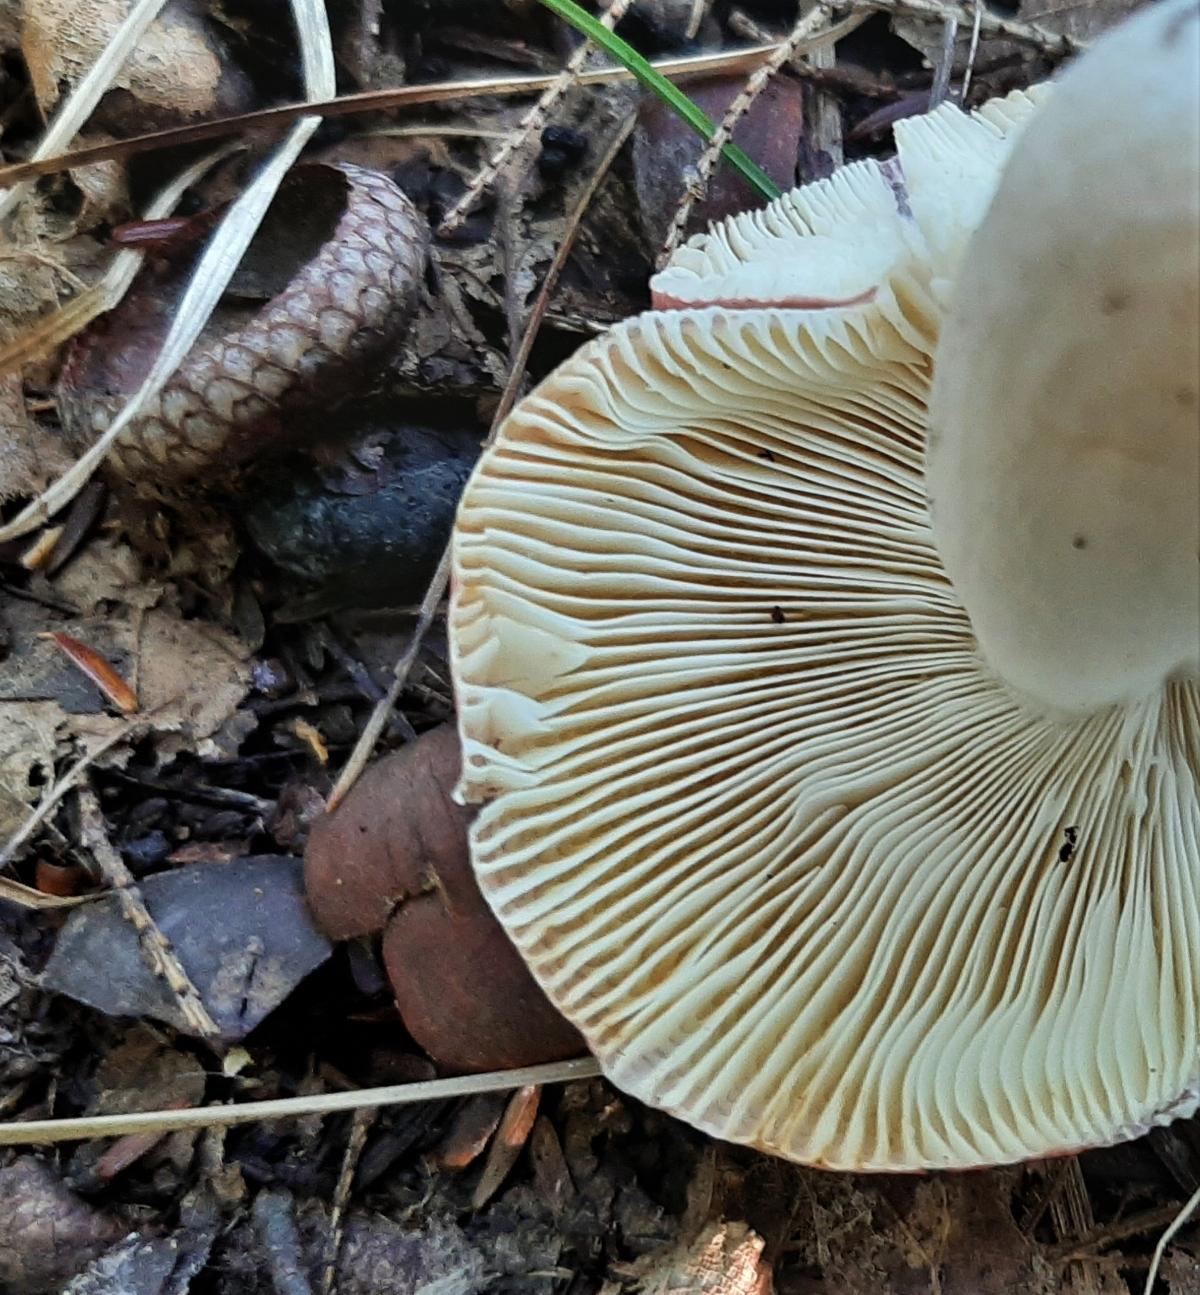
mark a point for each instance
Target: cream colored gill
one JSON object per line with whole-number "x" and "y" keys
{"x": 761, "y": 819}
{"x": 802, "y": 871}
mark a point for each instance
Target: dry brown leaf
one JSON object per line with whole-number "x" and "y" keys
{"x": 191, "y": 675}
{"x": 28, "y": 746}
{"x": 30, "y": 455}
{"x": 106, "y": 570}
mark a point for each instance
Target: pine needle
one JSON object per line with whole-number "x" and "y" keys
{"x": 671, "y": 95}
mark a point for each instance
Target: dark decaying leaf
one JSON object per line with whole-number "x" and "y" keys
{"x": 46, "y": 1230}
{"x": 241, "y": 930}
{"x": 665, "y": 152}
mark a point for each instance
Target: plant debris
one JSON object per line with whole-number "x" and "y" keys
{"x": 247, "y": 565}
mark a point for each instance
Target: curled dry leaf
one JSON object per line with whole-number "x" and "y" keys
{"x": 326, "y": 283}
{"x": 394, "y": 859}
{"x": 178, "y": 71}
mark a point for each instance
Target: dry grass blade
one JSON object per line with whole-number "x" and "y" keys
{"x": 695, "y": 65}
{"x": 316, "y": 48}
{"x": 40, "y": 1132}
{"x": 64, "y": 323}
{"x": 976, "y": 29}
{"x": 215, "y": 269}
{"x": 441, "y": 578}
{"x": 86, "y": 95}
{"x": 213, "y": 272}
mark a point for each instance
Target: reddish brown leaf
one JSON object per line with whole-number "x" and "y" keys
{"x": 98, "y": 670}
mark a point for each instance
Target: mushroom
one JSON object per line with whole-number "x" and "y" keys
{"x": 866, "y": 835}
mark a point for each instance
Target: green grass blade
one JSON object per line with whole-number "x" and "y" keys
{"x": 670, "y": 94}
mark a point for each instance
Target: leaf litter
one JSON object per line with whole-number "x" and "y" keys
{"x": 555, "y": 1188}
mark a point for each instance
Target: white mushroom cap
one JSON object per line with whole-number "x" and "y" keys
{"x": 758, "y": 816}
{"x": 1064, "y": 461}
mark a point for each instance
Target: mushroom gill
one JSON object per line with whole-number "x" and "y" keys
{"x": 760, "y": 817}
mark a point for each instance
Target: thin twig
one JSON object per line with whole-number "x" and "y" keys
{"x": 945, "y": 64}
{"x": 360, "y": 1126}
{"x": 1086, "y": 1248}
{"x": 697, "y": 186}
{"x": 383, "y": 708}
{"x": 976, "y": 28}
{"x": 532, "y": 121}
{"x": 441, "y": 578}
{"x": 732, "y": 62}
{"x": 156, "y": 949}
{"x": 72, "y": 778}
{"x": 1163, "y": 1241}
{"x": 25, "y": 1133}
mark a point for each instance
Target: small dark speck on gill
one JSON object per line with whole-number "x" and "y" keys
{"x": 1115, "y": 300}
{"x": 1079, "y": 542}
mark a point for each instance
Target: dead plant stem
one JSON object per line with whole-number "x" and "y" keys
{"x": 156, "y": 949}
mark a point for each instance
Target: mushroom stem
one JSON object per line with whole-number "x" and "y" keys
{"x": 1063, "y": 464}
